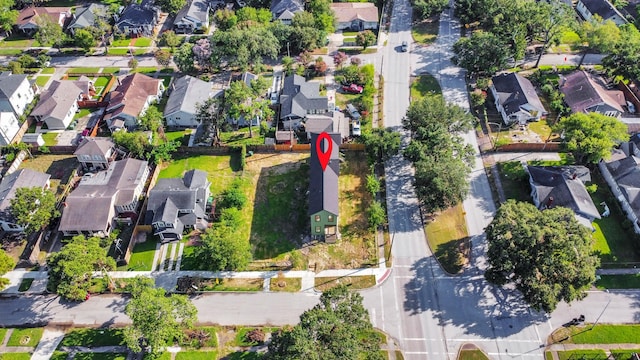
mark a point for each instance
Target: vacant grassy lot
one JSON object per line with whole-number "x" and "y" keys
{"x": 181, "y": 136}
{"x": 618, "y": 282}
{"x": 59, "y": 167}
{"x": 25, "y": 337}
{"x": 93, "y": 337}
{"x": 447, "y": 237}
{"x": 426, "y": 31}
{"x": 221, "y": 169}
{"x": 424, "y": 85}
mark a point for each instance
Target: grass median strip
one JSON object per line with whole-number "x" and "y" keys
{"x": 352, "y": 282}
{"x": 25, "y": 337}
{"x": 283, "y": 284}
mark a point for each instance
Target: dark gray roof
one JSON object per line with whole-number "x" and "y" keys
{"x": 87, "y": 15}
{"x": 187, "y": 92}
{"x": 94, "y": 146}
{"x": 287, "y": 7}
{"x": 298, "y": 96}
{"x": 138, "y": 14}
{"x": 169, "y": 196}
{"x": 194, "y": 9}
{"x": 318, "y": 123}
{"x": 9, "y": 83}
{"x": 601, "y": 7}
{"x": 60, "y": 97}
{"x": 625, "y": 169}
{"x": 90, "y": 207}
{"x": 563, "y": 186}
{"x": 21, "y": 178}
{"x": 515, "y": 91}
{"x": 582, "y": 91}
{"x": 323, "y": 185}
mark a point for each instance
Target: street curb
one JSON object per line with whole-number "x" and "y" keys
{"x": 384, "y": 277}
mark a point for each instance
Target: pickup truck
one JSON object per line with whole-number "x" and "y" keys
{"x": 353, "y": 88}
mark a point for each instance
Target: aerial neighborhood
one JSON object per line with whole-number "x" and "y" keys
{"x": 399, "y": 179}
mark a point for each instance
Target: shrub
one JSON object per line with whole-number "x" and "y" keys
{"x": 255, "y": 336}
{"x": 233, "y": 197}
{"x": 591, "y": 189}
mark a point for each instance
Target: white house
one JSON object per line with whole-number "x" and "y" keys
{"x": 59, "y": 103}
{"x": 8, "y": 127}
{"x": 603, "y": 8}
{"x": 516, "y": 99}
{"x": 192, "y": 17}
{"x": 187, "y": 93}
{"x": 16, "y": 93}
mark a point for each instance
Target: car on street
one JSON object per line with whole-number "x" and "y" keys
{"x": 404, "y": 47}
{"x": 353, "y": 89}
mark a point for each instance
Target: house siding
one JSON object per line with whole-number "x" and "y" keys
{"x": 320, "y": 221}
{"x": 182, "y": 119}
{"x": 19, "y": 100}
{"x": 9, "y": 127}
{"x": 622, "y": 200}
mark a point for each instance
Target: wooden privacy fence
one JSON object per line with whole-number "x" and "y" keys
{"x": 530, "y": 147}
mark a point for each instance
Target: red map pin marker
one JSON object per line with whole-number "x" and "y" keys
{"x": 324, "y": 156}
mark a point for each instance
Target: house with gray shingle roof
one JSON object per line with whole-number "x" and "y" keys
{"x": 95, "y": 153}
{"x": 516, "y": 99}
{"x": 553, "y": 186}
{"x": 16, "y": 93}
{"x": 193, "y": 17}
{"x": 187, "y": 93}
{"x": 91, "y": 208}
{"x": 178, "y": 204}
{"x": 323, "y": 190}
{"x": 584, "y": 92}
{"x": 58, "y": 104}
{"x": 138, "y": 19}
{"x": 284, "y": 10}
{"x": 10, "y": 184}
{"x": 622, "y": 174}
{"x": 87, "y": 15}
{"x": 603, "y": 8}
{"x": 300, "y": 98}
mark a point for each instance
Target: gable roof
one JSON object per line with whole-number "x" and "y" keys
{"x": 350, "y": 11}
{"x": 624, "y": 167}
{"x": 563, "y": 186}
{"x": 94, "y": 146}
{"x": 298, "y": 96}
{"x": 87, "y": 15}
{"x": 194, "y": 9}
{"x": 9, "y": 83}
{"x": 285, "y": 9}
{"x": 60, "y": 97}
{"x": 323, "y": 185}
{"x": 515, "y": 91}
{"x": 139, "y": 14}
{"x": 132, "y": 93}
{"x": 601, "y": 7}
{"x": 91, "y": 205}
{"x": 583, "y": 91}
{"x": 169, "y": 196}
{"x": 30, "y": 15}
{"x": 318, "y": 124}
{"x": 186, "y": 93}
{"x": 19, "y": 179}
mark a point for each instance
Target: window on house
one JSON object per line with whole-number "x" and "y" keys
{"x": 330, "y": 218}
{"x": 317, "y": 229}
{"x": 317, "y": 218}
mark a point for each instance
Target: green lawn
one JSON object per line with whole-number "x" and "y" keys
{"x": 515, "y": 181}
{"x": 219, "y": 168}
{"x": 83, "y": 112}
{"x": 124, "y": 51}
{"x": 15, "y": 42}
{"x": 352, "y": 282}
{"x": 25, "y": 337}
{"x": 101, "y": 81}
{"x": 142, "y": 42}
{"x": 3, "y": 333}
{"x": 99, "y": 356}
{"x": 25, "y": 285}
{"x": 121, "y": 43}
{"x": 15, "y": 356}
{"x": 196, "y": 355}
{"x": 41, "y": 81}
{"x": 211, "y": 342}
{"x": 618, "y": 282}
{"x": 472, "y": 355}
{"x": 110, "y": 70}
{"x": 59, "y": 355}
{"x": 181, "y": 136}
{"x": 424, "y": 85}
{"x": 84, "y": 70}
{"x": 189, "y": 262}
{"x": 166, "y": 80}
{"x": 147, "y": 69}
{"x": 233, "y": 284}
{"x": 10, "y": 52}
{"x": 50, "y": 138}
{"x": 565, "y": 159}
{"x": 605, "y": 334}
{"x": 93, "y": 337}
{"x": 243, "y": 355}
{"x": 142, "y": 256}
{"x": 447, "y": 237}
{"x": 541, "y": 128}
{"x": 241, "y": 136}
{"x": 48, "y": 71}
{"x": 426, "y": 31}
{"x": 582, "y": 354}
{"x": 285, "y": 284}
{"x": 343, "y": 99}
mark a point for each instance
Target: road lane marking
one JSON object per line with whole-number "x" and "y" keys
{"x": 373, "y": 317}
{"x": 382, "y": 308}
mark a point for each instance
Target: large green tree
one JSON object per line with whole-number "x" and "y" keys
{"x": 336, "y": 328}
{"x": 550, "y": 20}
{"x": 84, "y": 39}
{"x": 71, "y": 269}
{"x": 6, "y": 264}
{"x": 242, "y": 46}
{"x": 481, "y": 54}
{"x": 598, "y": 35}
{"x": 624, "y": 59}
{"x": 222, "y": 248}
{"x": 381, "y": 144}
{"x": 136, "y": 142}
{"x": 591, "y": 137}
{"x": 8, "y": 15}
{"x": 171, "y": 6}
{"x": 49, "y": 32}
{"x": 184, "y": 59}
{"x": 440, "y": 156}
{"x": 546, "y": 254}
{"x": 33, "y": 208}
{"x": 427, "y": 8}
{"x": 157, "y": 319}
{"x": 365, "y": 39}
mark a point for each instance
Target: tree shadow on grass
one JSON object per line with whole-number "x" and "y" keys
{"x": 453, "y": 255}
